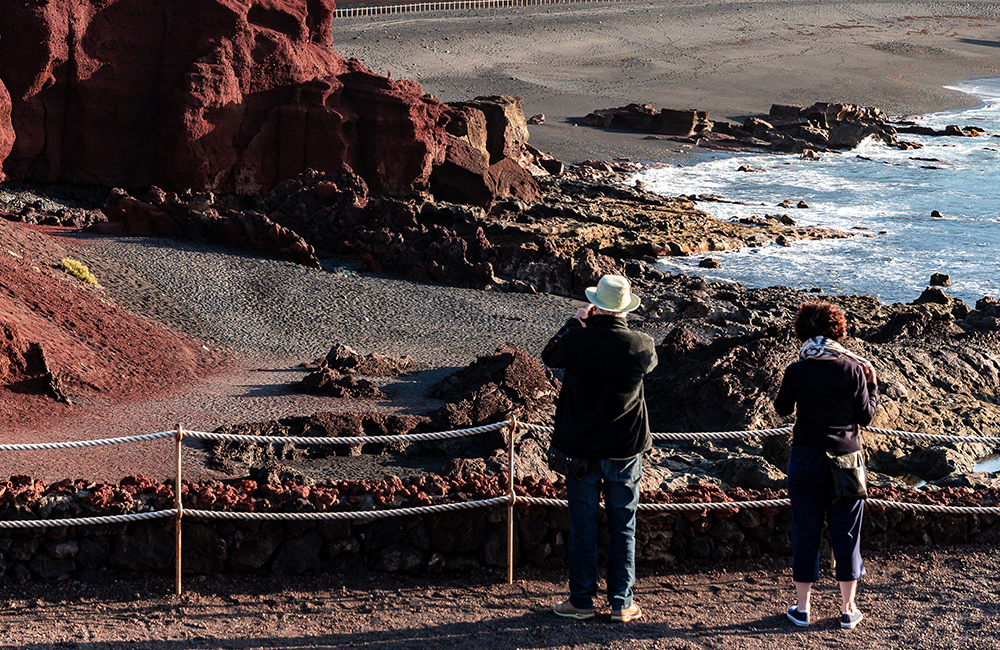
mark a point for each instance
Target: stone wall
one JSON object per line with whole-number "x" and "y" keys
{"x": 455, "y": 541}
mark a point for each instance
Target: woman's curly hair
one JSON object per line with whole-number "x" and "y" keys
{"x": 820, "y": 319}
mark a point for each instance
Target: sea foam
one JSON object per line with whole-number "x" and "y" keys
{"x": 883, "y": 194}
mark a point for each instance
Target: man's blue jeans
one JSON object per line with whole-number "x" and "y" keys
{"x": 620, "y": 482}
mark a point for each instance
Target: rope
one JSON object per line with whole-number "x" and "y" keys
{"x": 87, "y": 443}
{"x": 444, "y": 435}
{"x": 933, "y": 437}
{"x": 359, "y": 440}
{"x": 87, "y": 521}
{"x": 715, "y": 505}
{"x": 466, "y": 505}
{"x": 356, "y": 514}
{"x": 924, "y": 507}
{"x": 710, "y": 435}
{"x": 779, "y": 503}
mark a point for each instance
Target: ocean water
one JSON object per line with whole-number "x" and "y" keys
{"x": 884, "y": 195}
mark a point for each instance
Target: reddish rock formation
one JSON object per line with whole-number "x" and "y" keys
{"x": 217, "y": 95}
{"x": 62, "y": 340}
{"x": 6, "y": 128}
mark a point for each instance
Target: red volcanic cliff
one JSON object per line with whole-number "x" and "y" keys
{"x": 219, "y": 95}
{"x": 6, "y": 128}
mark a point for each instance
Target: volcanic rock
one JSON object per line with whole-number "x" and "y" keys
{"x": 794, "y": 129}
{"x": 171, "y": 215}
{"x": 6, "y": 128}
{"x": 214, "y": 96}
{"x": 344, "y": 358}
{"x": 508, "y": 382}
{"x": 328, "y": 381}
{"x": 644, "y": 118}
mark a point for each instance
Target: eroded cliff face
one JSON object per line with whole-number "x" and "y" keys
{"x": 6, "y": 128}
{"x": 213, "y": 95}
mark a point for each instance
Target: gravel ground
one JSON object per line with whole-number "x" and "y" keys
{"x": 913, "y": 598}
{"x": 265, "y": 308}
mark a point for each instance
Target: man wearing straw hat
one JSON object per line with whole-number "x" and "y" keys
{"x": 602, "y": 428}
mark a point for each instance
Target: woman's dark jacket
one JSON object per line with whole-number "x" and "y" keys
{"x": 832, "y": 399}
{"x": 601, "y": 411}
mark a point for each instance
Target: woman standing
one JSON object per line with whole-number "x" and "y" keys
{"x": 833, "y": 393}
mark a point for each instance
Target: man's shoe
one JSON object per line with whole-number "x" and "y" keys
{"x": 849, "y": 621}
{"x": 799, "y": 618}
{"x": 630, "y": 613}
{"x": 566, "y": 610}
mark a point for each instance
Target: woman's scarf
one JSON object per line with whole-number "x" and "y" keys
{"x": 820, "y": 347}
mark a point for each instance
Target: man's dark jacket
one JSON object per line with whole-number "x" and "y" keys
{"x": 601, "y": 412}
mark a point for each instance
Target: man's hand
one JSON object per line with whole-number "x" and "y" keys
{"x": 584, "y": 313}
{"x": 869, "y": 374}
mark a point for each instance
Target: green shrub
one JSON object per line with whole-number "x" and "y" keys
{"x": 77, "y": 270}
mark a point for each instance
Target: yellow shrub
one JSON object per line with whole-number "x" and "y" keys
{"x": 77, "y": 270}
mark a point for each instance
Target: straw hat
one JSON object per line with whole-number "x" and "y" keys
{"x": 613, "y": 293}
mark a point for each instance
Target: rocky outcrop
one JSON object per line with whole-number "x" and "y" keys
{"x": 823, "y": 126}
{"x": 6, "y": 128}
{"x": 722, "y": 360}
{"x": 223, "y": 97}
{"x": 644, "y": 118}
{"x": 335, "y": 374}
{"x": 195, "y": 216}
{"x": 344, "y": 358}
{"x": 510, "y": 382}
{"x": 586, "y": 223}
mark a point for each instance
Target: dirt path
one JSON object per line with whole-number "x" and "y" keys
{"x": 913, "y": 598}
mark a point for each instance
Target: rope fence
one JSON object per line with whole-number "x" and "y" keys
{"x": 88, "y": 521}
{"x": 365, "y": 11}
{"x": 510, "y": 428}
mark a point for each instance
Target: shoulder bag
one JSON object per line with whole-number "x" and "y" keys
{"x": 850, "y": 478}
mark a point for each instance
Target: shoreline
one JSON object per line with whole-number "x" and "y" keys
{"x": 733, "y": 60}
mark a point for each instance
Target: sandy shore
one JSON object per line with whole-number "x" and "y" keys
{"x": 732, "y": 59}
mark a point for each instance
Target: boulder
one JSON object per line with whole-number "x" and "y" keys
{"x": 147, "y": 547}
{"x": 464, "y": 176}
{"x": 511, "y": 180}
{"x": 750, "y": 472}
{"x": 506, "y": 127}
{"x": 249, "y": 552}
{"x": 683, "y": 122}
